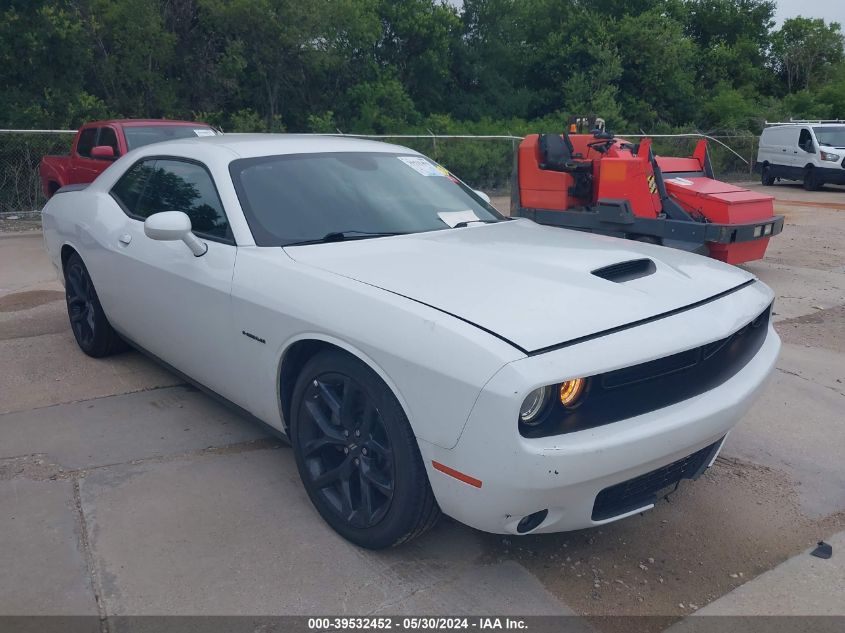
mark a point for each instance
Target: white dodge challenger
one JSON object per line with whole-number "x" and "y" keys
{"x": 421, "y": 352}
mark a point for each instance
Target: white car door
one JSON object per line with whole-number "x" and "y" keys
{"x": 160, "y": 296}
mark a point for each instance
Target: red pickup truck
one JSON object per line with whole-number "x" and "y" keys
{"x": 99, "y": 143}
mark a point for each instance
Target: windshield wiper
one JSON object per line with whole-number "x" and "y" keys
{"x": 465, "y": 223}
{"x": 342, "y": 236}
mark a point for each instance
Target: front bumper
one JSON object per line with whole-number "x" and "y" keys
{"x": 832, "y": 175}
{"x": 564, "y": 474}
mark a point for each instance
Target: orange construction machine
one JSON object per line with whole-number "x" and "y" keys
{"x": 599, "y": 183}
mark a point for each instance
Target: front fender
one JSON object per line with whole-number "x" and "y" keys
{"x": 435, "y": 364}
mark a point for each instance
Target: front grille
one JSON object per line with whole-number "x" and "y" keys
{"x": 632, "y": 391}
{"x": 643, "y": 490}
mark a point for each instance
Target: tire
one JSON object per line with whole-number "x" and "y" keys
{"x": 92, "y": 330}
{"x": 766, "y": 176}
{"x": 356, "y": 454}
{"x": 811, "y": 181}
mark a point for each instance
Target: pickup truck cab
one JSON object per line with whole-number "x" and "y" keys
{"x": 98, "y": 143}
{"x": 810, "y": 152}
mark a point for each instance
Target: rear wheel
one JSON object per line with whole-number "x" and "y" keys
{"x": 356, "y": 454}
{"x": 767, "y": 178}
{"x": 811, "y": 180}
{"x": 92, "y": 330}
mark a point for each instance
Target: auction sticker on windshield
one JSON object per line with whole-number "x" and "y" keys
{"x": 422, "y": 166}
{"x": 202, "y": 131}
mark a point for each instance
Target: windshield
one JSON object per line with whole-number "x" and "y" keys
{"x": 830, "y": 136}
{"x": 302, "y": 197}
{"x": 138, "y": 136}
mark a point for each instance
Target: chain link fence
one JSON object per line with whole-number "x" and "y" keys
{"x": 21, "y": 151}
{"x": 484, "y": 162}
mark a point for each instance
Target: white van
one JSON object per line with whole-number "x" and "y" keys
{"x": 808, "y": 151}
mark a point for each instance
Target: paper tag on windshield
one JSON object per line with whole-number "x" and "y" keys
{"x": 204, "y": 131}
{"x": 422, "y": 166}
{"x": 453, "y": 218}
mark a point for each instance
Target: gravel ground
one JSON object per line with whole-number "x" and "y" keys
{"x": 678, "y": 558}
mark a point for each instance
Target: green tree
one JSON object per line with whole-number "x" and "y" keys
{"x": 805, "y": 50}
{"x": 380, "y": 107}
{"x": 44, "y": 59}
{"x": 132, "y": 55}
{"x": 659, "y": 72}
{"x": 416, "y": 43}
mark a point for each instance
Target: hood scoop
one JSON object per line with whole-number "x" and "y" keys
{"x": 626, "y": 271}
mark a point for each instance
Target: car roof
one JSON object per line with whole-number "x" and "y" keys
{"x": 256, "y": 145}
{"x": 144, "y": 122}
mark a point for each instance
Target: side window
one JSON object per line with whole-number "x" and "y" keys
{"x": 86, "y": 141}
{"x": 129, "y": 188}
{"x": 805, "y": 141}
{"x": 177, "y": 185}
{"x": 109, "y": 137}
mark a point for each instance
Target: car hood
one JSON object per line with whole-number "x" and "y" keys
{"x": 529, "y": 284}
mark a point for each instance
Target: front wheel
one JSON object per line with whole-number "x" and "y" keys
{"x": 811, "y": 180}
{"x": 356, "y": 454}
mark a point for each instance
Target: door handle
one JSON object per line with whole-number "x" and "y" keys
{"x": 125, "y": 238}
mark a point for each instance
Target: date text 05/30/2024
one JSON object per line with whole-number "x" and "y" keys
{"x": 415, "y": 624}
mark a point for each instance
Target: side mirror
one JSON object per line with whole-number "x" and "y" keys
{"x": 482, "y": 195}
{"x": 103, "y": 152}
{"x": 170, "y": 226}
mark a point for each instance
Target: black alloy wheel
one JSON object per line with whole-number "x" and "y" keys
{"x": 346, "y": 450}
{"x": 357, "y": 455}
{"x": 79, "y": 292}
{"x": 91, "y": 329}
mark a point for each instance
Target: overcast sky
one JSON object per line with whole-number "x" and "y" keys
{"x": 830, "y": 10}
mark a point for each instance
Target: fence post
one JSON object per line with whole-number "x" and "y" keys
{"x": 433, "y": 144}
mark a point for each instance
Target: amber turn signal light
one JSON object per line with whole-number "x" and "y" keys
{"x": 570, "y": 392}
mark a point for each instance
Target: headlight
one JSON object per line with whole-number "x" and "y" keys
{"x": 534, "y": 405}
{"x": 831, "y": 158}
{"x": 540, "y": 404}
{"x": 570, "y": 392}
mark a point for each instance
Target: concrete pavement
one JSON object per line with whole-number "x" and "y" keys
{"x": 125, "y": 492}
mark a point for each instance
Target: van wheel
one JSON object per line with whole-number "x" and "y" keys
{"x": 767, "y": 179}
{"x": 811, "y": 180}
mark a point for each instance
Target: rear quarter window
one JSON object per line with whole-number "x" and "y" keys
{"x": 130, "y": 187}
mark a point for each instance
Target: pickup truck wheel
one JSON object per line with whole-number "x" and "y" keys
{"x": 91, "y": 329}
{"x": 767, "y": 178}
{"x": 811, "y": 180}
{"x": 356, "y": 454}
